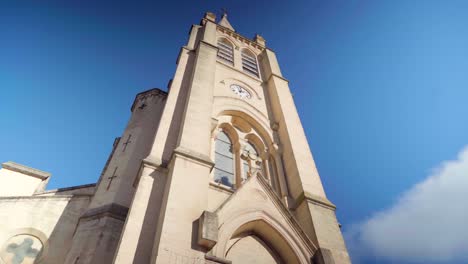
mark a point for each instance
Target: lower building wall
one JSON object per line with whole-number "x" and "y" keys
{"x": 39, "y": 228}
{"x": 95, "y": 240}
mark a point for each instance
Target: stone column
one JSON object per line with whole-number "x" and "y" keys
{"x": 136, "y": 242}
{"x": 185, "y": 195}
{"x": 144, "y": 208}
{"x": 312, "y": 209}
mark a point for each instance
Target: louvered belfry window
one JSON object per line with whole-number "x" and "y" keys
{"x": 249, "y": 63}
{"x": 225, "y": 51}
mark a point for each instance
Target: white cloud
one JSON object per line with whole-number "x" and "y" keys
{"x": 428, "y": 223}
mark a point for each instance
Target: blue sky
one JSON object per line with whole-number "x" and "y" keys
{"x": 381, "y": 87}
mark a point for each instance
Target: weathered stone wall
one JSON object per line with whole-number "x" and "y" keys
{"x": 50, "y": 219}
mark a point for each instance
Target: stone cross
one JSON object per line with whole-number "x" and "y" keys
{"x": 111, "y": 178}
{"x": 143, "y": 105}
{"x": 23, "y": 250}
{"x": 126, "y": 143}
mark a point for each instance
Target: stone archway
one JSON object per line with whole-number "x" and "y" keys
{"x": 250, "y": 248}
{"x": 264, "y": 237}
{"x": 260, "y": 231}
{"x": 255, "y": 210}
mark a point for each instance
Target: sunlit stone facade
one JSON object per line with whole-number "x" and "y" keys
{"x": 217, "y": 170}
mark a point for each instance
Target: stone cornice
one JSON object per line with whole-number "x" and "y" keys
{"x": 208, "y": 45}
{"x": 13, "y": 166}
{"x": 194, "y": 156}
{"x": 236, "y": 35}
{"x": 71, "y": 188}
{"x": 315, "y": 199}
{"x": 152, "y": 92}
{"x": 215, "y": 259}
{"x": 65, "y": 197}
{"x": 113, "y": 210}
{"x": 277, "y": 76}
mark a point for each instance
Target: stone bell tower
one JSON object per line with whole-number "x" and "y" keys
{"x": 222, "y": 171}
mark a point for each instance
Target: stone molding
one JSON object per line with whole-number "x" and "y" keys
{"x": 302, "y": 237}
{"x": 66, "y": 189}
{"x": 113, "y": 210}
{"x": 148, "y": 163}
{"x": 315, "y": 199}
{"x": 194, "y": 156}
{"x": 41, "y": 236}
{"x": 13, "y": 166}
{"x": 277, "y": 76}
{"x": 287, "y": 214}
{"x": 51, "y": 197}
{"x": 207, "y": 44}
{"x": 214, "y": 259}
{"x": 239, "y": 37}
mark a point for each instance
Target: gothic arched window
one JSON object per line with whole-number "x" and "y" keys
{"x": 251, "y": 163}
{"x": 249, "y": 62}
{"x": 224, "y": 160}
{"x": 225, "y": 51}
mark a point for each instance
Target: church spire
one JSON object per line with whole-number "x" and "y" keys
{"x": 224, "y": 21}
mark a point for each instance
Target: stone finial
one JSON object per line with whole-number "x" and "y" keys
{"x": 210, "y": 16}
{"x": 225, "y": 22}
{"x": 259, "y": 40}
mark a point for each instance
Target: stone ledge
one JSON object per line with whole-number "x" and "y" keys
{"x": 66, "y": 189}
{"x": 13, "y": 166}
{"x": 215, "y": 259}
{"x": 234, "y": 34}
{"x": 277, "y": 76}
{"x": 315, "y": 199}
{"x": 195, "y": 156}
{"x": 55, "y": 197}
{"x": 209, "y": 45}
{"x": 113, "y": 210}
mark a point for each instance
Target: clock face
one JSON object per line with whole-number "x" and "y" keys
{"x": 240, "y": 91}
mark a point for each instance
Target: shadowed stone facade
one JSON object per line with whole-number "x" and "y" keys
{"x": 217, "y": 170}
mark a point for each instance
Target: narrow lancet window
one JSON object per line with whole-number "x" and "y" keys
{"x": 251, "y": 163}
{"x": 249, "y": 62}
{"x": 224, "y": 161}
{"x": 225, "y": 51}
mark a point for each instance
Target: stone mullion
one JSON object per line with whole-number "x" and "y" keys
{"x": 237, "y": 164}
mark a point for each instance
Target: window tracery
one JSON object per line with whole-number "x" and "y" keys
{"x": 239, "y": 155}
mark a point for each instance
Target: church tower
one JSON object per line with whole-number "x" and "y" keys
{"x": 217, "y": 170}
